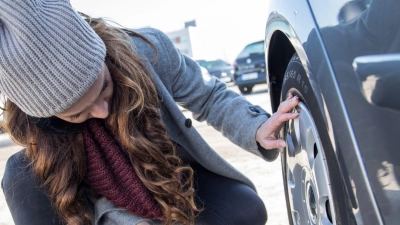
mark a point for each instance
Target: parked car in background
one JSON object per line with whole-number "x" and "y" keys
{"x": 205, "y": 73}
{"x": 250, "y": 67}
{"x": 342, "y": 58}
{"x": 218, "y": 68}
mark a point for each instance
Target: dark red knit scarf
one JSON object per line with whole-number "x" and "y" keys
{"x": 110, "y": 173}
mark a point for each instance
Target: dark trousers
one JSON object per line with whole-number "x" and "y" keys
{"x": 224, "y": 201}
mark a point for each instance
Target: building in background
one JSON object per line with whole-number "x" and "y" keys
{"x": 196, "y": 43}
{"x": 182, "y": 40}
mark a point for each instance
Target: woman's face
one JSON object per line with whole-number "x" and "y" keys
{"x": 95, "y": 103}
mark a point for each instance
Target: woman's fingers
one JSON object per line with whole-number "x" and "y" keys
{"x": 271, "y": 144}
{"x": 283, "y": 113}
{"x": 290, "y": 96}
{"x": 267, "y": 131}
{"x": 287, "y": 116}
{"x": 288, "y": 105}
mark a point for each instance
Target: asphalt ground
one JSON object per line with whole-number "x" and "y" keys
{"x": 266, "y": 176}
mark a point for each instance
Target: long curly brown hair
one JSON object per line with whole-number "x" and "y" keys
{"x": 59, "y": 160}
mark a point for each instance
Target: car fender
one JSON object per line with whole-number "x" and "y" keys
{"x": 282, "y": 39}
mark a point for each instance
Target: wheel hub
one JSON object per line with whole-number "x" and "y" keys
{"x": 306, "y": 173}
{"x": 311, "y": 204}
{"x": 309, "y": 196}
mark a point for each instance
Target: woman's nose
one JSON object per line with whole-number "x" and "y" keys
{"x": 100, "y": 109}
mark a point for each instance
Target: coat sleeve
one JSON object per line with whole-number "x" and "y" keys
{"x": 223, "y": 109}
{"x": 106, "y": 213}
{"x": 28, "y": 203}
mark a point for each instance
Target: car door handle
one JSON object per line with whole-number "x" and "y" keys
{"x": 379, "y": 79}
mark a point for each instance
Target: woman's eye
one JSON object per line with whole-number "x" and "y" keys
{"x": 106, "y": 84}
{"x": 74, "y": 117}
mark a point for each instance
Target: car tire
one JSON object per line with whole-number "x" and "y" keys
{"x": 245, "y": 89}
{"x": 313, "y": 183}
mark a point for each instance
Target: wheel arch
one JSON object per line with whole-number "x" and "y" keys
{"x": 279, "y": 54}
{"x": 281, "y": 43}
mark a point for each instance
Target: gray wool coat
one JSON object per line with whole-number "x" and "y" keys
{"x": 179, "y": 81}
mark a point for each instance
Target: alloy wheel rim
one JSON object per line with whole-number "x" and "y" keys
{"x": 308, "y": 184}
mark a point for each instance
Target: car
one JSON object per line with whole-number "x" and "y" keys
{"x": 204, "y": 72}
{"x": 218, "y": 68}
{"x": 341, "y": 163}
{"x": 250, "y": 67}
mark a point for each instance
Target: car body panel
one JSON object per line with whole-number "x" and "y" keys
{"x": 373, "y": 33}
{"x": 362, "y": 135}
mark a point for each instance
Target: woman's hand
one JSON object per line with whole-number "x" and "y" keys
{"x": 267, "y": 133}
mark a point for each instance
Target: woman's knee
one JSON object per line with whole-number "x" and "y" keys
{"x": 227, "y": 201}
{"x": 253, "y": 212}
{"x": 239, "y": 205}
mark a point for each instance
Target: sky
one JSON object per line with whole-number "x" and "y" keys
{"x": 227, "y": 25}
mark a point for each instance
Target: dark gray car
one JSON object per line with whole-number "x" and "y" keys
{"x": 342, "y": 160}
{"x": 218, "y": 68}
{"x": 250, "y": 67}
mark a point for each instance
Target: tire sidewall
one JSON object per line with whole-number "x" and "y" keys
{"x": 296, "y": 81}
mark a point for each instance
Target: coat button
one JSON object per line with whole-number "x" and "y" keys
{"x": 254, "y": 109}
{"x": 188, "y": 123}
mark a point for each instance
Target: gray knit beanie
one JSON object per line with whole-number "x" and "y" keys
{"x": 49, "y": 56}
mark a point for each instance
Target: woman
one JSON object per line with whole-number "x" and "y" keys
{"x": 95, "y": 107}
